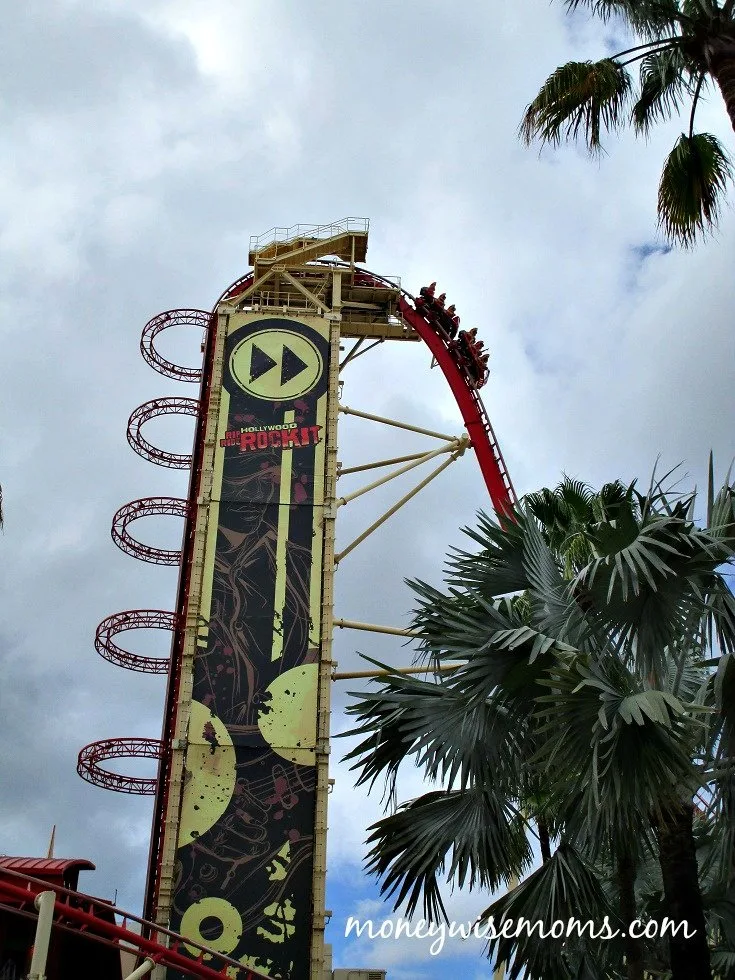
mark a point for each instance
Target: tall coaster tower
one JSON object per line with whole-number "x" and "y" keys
{"x": 238, "y": 849}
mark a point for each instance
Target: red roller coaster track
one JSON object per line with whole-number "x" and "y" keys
{"x": 172, "y": 318}
{"x": 133, "y": 619}
{"x": 147, "y": 507}
{"x": 468, "y": 400}
{"x": 155, "y": 409}
{"x": 76, "y": 912}
{"x": 89, "y": 768}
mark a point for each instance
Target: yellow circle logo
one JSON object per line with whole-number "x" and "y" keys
{"x": 276, "y": 365}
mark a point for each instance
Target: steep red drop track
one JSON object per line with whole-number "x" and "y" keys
{"x": 470, "y": 405}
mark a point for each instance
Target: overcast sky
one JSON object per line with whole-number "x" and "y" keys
{"x": 144, "y": 142}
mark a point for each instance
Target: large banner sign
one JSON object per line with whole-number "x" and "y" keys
{"x": 246, "y": 835}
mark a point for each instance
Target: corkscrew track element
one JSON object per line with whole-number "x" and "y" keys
{"x": 133, "y": 619}
{"x": 156, "y": 408}
{"x": 172, "y": 318}
{"x": 147, "y": 507}
{"x": 91, "y": 756}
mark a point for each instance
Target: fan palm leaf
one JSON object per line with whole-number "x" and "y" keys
{"x": 652, "y": 17}
{"x": 432, "y": 725}
{"x": 692, "y": 186}
{"x": 580, "y": 98}
{"x": 565, "y": 889}
{"x": 665, "y": 80}
{"x": 470, "y": 836}
{"x": 617, "y": 747}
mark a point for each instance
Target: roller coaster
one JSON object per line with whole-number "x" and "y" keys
{"x": 238, "y": 849}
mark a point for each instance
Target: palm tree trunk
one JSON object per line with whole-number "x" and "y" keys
{"x": 720, "y": 55}
{"x": 544, "y": 840}
{"x": 689, "y": 957}
{"x": 728, "y": 795}
{"x": 626, "y": 893}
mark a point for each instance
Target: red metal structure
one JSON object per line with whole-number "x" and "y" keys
{"x": 133, "y": 619}
{"x": 154, "y": 327}
{"x": 155, "y": 409}
{"x": 81, "y": 916}
{"x": 147, "y": 507}
{"x": 90, "y": 758}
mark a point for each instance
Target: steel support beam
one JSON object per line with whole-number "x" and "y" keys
{"x": 424, "y": 458}
{"x": 400, "y": 425}
{"x": 350, "y": 675}
{"x": 392, "y": 510}
{"x": 352, "y": 624}
{"x": 44, "y": 902}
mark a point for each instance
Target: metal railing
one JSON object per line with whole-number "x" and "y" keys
{"x": 343, "y": 227}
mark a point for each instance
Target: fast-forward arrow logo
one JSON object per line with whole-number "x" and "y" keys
{"x": 291, "y": 364}
{"x": 277, "y": 365}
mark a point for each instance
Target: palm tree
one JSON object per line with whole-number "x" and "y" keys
{"x": 573, "y": 702}
{"x": 682, "y": 47}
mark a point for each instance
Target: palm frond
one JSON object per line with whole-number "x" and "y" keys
{"x": 468, "y": 835}
{"x": 579, "y": 98}
{"x": 602, "y": 720}
{"x": 456, "y": 625}
{"x": 692, "y": 186}
{"x": 665, "y": 81}
{"x": 498, "y": 569}
{"x": 512, "y": 661}
{"x": 558, "y": 891}
{"x": 555, "y": 613}
{"x": 574, "y": 518}
{"x": 725, "y": 692}
{"x": 650, "y": 18}
{"x": 651, "y": 593}
{"x": 432, "y": 725}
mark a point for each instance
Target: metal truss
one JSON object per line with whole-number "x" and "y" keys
{"x": 147, "y": 507}
{"x": 155, "y": 409}
{"x": 133, "y": 619}
{"x": 90, "y": 758}
{"x": 172, "y": 318}
{"x": 464, "y": 381}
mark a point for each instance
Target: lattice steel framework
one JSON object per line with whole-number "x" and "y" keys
{"x": 133, "y": 619}
{"x": 89, "y": 764}
{"x": 164, "y": 321}
{"x": 147, "y": 507}
{"x": 157, "y": 408}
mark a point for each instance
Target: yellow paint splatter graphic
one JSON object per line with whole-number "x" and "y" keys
{"x": 278, "y": 867}
{"x": 281, "y": 916}
{"x": 288, "y": 721}
{"x": 209, "y": 776}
